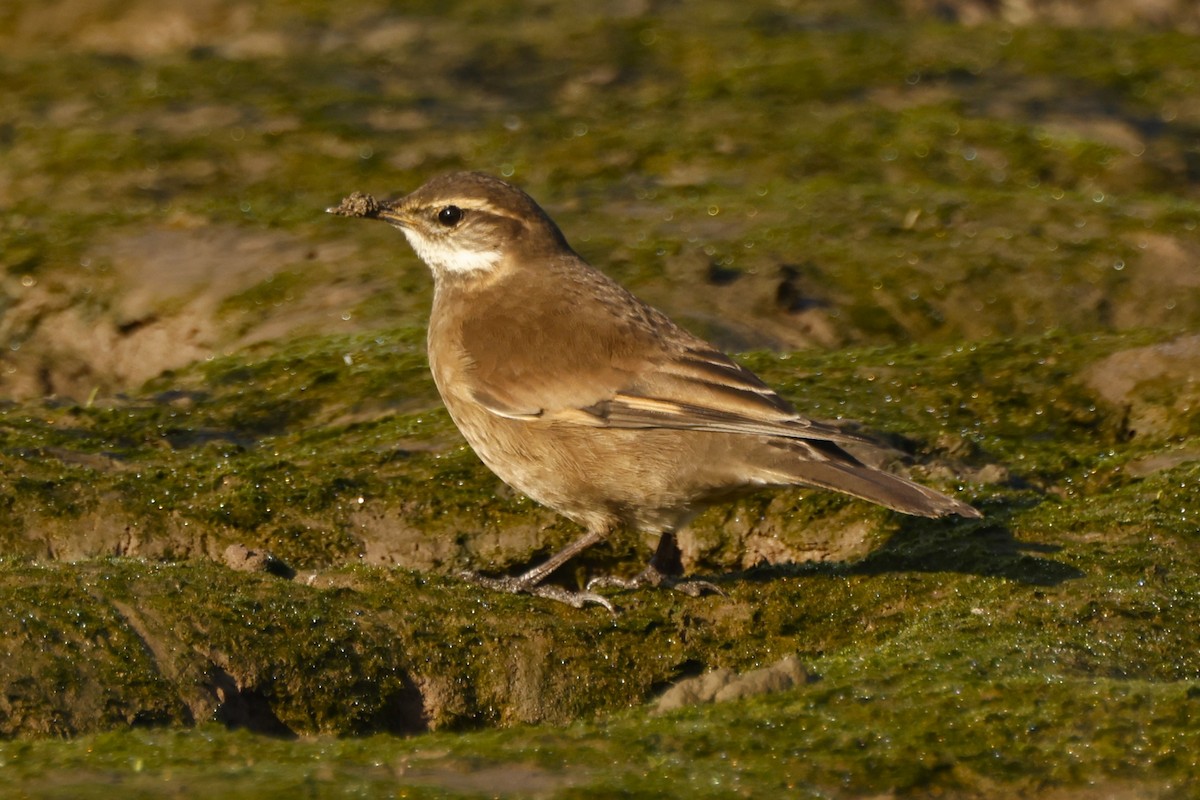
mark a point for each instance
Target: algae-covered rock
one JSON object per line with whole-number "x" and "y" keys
{"x": 1157, "y": 387}
{"x": 230, "y": 501}
{"x": 722, "y": 685}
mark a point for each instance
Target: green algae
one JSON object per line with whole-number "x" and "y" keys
{"x": 279, "y": 450}
{"x": 918, "y": 713}
{"x": 989, "y": 194}
{"x": 1089, "y": 603}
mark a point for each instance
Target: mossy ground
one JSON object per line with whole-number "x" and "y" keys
{"x": 1051, "y": 644}
{"x": 967, "y": 219}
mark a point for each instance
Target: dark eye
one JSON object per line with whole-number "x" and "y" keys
{"x": 450, "y": 216}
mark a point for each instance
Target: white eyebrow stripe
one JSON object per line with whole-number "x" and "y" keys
{"x": 467, "y": 204}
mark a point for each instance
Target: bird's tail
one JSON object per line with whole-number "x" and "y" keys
{"x": 846, "y": 474}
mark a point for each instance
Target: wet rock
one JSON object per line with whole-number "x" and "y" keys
{"x": 722, "y": 685}
{"x": 243, "y": 559}
{"x": 1159, "y": 462}
{"x": 1180, "y": 14}
{"x": 1158, "y": 387}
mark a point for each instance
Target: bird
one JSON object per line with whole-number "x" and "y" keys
{"x": 593, "y": 403}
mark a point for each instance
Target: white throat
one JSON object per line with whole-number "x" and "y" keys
{"x": 443, "y": 258}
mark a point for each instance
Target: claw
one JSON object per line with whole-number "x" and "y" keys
{"x": 696, "y": 588}
{"x": 519, "y": 585}
{"x": 652, "y": 576}
{"x": 576, "y": 599}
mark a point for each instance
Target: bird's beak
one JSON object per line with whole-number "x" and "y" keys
{"x": 389, "y": 212}
{"x": 366, "y": 206}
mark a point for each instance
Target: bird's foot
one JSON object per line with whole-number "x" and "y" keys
{"x": 521, "y": 585}
{"x": 653, "y": 576}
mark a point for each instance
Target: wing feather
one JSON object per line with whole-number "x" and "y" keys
{"x": 701, "y": 391}
{"x": 622, "y": 364}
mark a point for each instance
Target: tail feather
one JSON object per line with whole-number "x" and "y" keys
{"x": 868, "y": 483}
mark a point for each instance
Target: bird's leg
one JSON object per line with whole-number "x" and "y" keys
{"x": 667, "y": 560}
{"x": 663, "y": 569}
{"x": 531, "y": 582}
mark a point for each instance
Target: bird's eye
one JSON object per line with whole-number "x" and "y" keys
{"x": 450, "y": 216}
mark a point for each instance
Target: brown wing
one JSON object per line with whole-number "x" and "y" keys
{"x": 615, "y": 362}
{"x": 696, "y": 392}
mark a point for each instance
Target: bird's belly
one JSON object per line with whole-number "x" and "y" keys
{"x": 647, "y": 479}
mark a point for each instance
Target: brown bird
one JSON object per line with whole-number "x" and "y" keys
{"x": 582, "y": 397}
